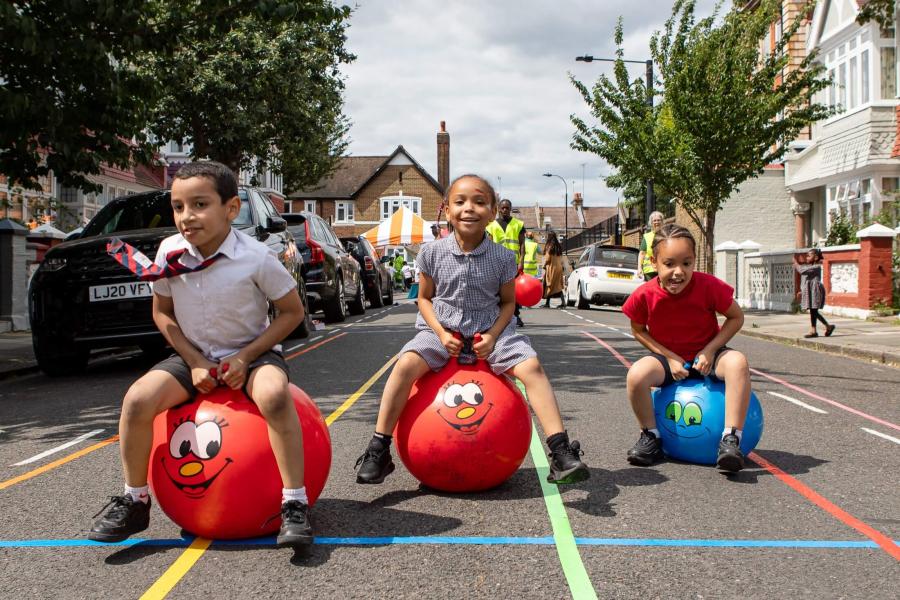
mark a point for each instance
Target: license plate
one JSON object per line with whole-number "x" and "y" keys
{"x": 614, "y": 275}
{"x": 118, "y": 291}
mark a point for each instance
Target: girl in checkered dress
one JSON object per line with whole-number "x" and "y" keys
{"x": 467, "y": 285}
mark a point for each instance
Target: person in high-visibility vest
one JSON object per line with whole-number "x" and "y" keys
{"x": 509, "y": 232}
{"x": 530, "y": 262}
{"x": 646, "y": 254}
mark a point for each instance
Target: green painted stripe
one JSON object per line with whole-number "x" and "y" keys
{"x": 569, "y": 558}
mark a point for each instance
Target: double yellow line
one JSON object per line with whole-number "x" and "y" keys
{"x": 192, "y": 553}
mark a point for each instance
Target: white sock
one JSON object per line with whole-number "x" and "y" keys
{"x": 294, "y": 494}
{"x": 655, "y": 432}
{"x": 138, "y": 493}
{"x": 737, "y": 432}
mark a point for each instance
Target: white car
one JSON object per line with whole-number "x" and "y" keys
{"x": 603, "y": 275}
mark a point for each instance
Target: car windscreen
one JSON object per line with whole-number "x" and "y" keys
{"x": 149, "y": 211}
{"x": 137, "y": 212}
{"x": 614, "y": 257}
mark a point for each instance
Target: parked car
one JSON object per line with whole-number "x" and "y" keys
{"x": 377, "y": 280}
{"x": 332, "y": 276}
{"x": 603, "y": 275}
{"x": 81, "y": 299}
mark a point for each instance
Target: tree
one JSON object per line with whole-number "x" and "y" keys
{"x": 727, "y": 111}
{"x": 262, "y": 95}
{"x": 881, "y": 11}
{"x": 72, "y": 95}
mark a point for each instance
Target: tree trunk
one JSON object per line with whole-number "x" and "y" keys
{"x": 709, "y": 238}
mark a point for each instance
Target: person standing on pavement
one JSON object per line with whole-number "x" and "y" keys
{"x": 407, "y": 271}
{"x": 645, "y": 256}
{"x": 812, "y": 291}
{"x": 467, "y": 286}
{"x": 531, "y": 248}
{"x": 218, "y": 323}
{"x": 674, "y": 316}
{"x": 509, "y": 232}
{"x": 553, "y": 270}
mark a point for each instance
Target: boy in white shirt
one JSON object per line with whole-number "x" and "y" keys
{"x": 217, "y": 318}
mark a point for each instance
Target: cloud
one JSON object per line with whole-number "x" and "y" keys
{"x": 497, "y": 73}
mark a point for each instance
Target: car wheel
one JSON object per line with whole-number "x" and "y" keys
{"x": 358, "y": 304}
{"x": 336, "y": 311}
{"x": 583, "y": 303}
{"x": 389, "y": 293}
{"x": 377, "y": 299}
{"x": 57, "y": 358}
{"x": 305, "y": 326}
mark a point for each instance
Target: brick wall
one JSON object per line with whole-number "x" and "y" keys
{"x": 387, "y": 183}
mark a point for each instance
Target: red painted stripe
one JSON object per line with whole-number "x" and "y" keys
{"x": 832, "y": 509}
{"x": 625, "y": 362}
{"x": 831, "y": 402}
{"x": 314, "y": 346}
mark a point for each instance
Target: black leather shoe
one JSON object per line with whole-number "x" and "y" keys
{"x": 124, "y": 518}
{"x": 646, "y": 451}
{"x": 295, "y": 527}
{"x": 730, "y": 457}
{"x": 566, "y": 466}
{"x": 374, "y": 465}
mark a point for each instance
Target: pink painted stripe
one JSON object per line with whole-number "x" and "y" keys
{"x": 625, "y": 362}
{"x": 831, "y": 402}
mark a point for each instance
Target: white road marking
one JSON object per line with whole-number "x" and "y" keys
{"x": 881, "y": 435}
{"x": 47, "y": 453}
{"x": 798, "y": 403}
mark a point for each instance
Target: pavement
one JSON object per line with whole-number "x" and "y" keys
{"x": 876, "y": 340}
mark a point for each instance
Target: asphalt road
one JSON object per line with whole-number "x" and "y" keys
{"x": 674, "y": 530}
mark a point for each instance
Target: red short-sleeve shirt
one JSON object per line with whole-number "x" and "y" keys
{"x": 685, "y": 322}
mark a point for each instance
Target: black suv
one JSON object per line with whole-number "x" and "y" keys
{"x": 332, "y": 276}
{"x": 377, "y": 280}
{"x": 81, "y": 299}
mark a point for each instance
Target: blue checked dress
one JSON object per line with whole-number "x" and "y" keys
{"x": 467, "y": 299}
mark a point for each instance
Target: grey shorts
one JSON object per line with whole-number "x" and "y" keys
{"x": 692, "y": 372}
{"x": 510, "y": 349}
{"x": 177, "y": 368}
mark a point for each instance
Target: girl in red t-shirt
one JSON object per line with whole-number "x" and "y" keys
{"x": 674, "y": 316}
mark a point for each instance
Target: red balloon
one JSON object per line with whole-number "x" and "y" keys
{"x": 464, "y": 429}
{"x": 529, "y": 290}
{"x": 212, "y": 469}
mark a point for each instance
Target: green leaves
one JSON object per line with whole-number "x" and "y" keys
{"x": 726, "y": 111}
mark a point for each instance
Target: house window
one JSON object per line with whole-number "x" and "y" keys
{"x": 855, "y": 66}
{"x": 390, "y": 205}
{"x": 343, "y": 212}
{"x": 864, "y": 74}
{"x": 68, "y": 194}
{"x": 288, "y": 206}
{"x": 309, "y": 206}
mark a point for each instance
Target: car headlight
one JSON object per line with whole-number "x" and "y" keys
{"x": 54, "y": 263}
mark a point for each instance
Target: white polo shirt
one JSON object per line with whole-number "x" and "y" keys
{"x": 224, "y": 307}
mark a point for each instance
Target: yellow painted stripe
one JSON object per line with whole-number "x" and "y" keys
{"x": 362, "y": 390}
{"x": 192, "y": 554}
{"x": 56, "y": 463}
{"x": 178, "y": 569}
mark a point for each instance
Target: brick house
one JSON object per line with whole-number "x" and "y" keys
{"x": 365, "y": 190}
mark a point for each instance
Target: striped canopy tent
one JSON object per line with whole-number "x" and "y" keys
{"x": 402, "y": 228}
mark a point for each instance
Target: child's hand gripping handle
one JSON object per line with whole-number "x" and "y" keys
{"x": 214, "y": 372}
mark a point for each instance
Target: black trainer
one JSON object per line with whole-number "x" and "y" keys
{"x": 730, "y": 456}
{"x": 646, "y": 451}
{"x": 295, "y": 527}
{"x": 374, "y": 465}
{"x": 124, "y": 518}
{"x": 566, "y": 466}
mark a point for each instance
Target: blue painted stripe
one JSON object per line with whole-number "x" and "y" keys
{"x": 448, "y": 540}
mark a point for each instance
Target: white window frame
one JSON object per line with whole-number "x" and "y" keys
{"x": 309, "y": 206}
{"x": 856, "y": 83}
{"x": 390, "y": 205}
{"x": 343, "y": 212}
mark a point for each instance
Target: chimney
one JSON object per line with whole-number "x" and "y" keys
{"x": 443, "y": 157}
{"x": 577, "y": 201}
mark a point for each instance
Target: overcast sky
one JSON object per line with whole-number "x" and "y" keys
{"x": 497, "y": 73}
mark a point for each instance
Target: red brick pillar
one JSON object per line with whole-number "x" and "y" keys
{"x": 875, "y": 274}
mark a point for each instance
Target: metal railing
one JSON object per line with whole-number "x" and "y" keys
{"x": 602, "y": 232}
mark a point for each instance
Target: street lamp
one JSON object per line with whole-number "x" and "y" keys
{"x": 565, "y": 211}
{"x": 650, "y": 201}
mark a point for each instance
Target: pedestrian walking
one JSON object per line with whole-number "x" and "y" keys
{"x": 553, "y": 270}
{"x": 509, "y": 232}
{"x": 812, "y": 291}
{"x": 467, "y": 285}
{"x": 645, "y": 256}
{"x": 408, "y": 273}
